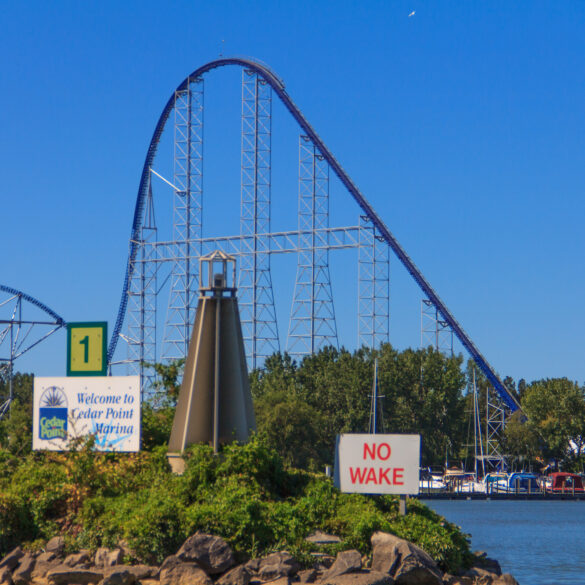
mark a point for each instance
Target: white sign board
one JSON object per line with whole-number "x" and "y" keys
{"x": 378, "y": 464}
{"x": 107, "y": 407}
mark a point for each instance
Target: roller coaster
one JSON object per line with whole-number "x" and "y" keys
{"x": 160, "y": 288}
{"x": 312, "y": 323}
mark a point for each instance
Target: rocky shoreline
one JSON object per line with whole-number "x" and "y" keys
{"x": 205, "y": 559}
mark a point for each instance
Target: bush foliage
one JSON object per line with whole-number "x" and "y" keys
{"x": 245, "y": 494}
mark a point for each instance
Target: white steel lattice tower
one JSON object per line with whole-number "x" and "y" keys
{"x": 374, "y": 287}
{"x": 312, "y": 323}
{"x": 187, "y": 219}
{"x": 142, "y": 290}
{"x": 256, "y": 300}
{"x": 495, "y": 422}
{"x": 434, "y": 331}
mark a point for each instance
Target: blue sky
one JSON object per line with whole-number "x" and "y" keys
{"x": 463, "y": 125}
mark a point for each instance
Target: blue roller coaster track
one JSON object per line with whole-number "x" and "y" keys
{"x": 278, "y": 86}
{"x": 17, "y": 293}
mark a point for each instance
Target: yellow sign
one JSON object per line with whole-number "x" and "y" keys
{"x": 86, "y": 349}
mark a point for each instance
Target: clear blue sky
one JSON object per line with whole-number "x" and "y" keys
{"x": 463, "y": 125}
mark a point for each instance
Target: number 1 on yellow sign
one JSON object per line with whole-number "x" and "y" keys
{"x": 86, "y": 349}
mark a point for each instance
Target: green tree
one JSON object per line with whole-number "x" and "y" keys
{"x": 159, "y": 411}
{"x": 292, "y": 428}
{"x": 16, "y": 424}
{"x": 556, "y": 412}
{"x": 330, "y": 392}
{"x": 522, "y": 441}
{"x": 424, "y": 394}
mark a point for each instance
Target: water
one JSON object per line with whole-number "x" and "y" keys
{"x": 539, "y": 543}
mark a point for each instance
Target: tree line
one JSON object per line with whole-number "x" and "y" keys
{"x": 301, "y": 406}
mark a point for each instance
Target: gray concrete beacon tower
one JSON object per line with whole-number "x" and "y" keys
{"x": 215, "y": 403}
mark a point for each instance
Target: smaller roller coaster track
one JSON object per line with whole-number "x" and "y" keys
{"x": 24, "y": 323}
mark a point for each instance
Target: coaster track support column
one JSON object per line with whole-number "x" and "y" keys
{"x": 256, "y": 299}
{"x": 142, "y": 291}
{"x": 312, "y": 323}
{"x": 187, "y": 218}
{"x": 373, "y": 286}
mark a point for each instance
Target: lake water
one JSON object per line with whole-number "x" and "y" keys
{"x": 539, "y": 543}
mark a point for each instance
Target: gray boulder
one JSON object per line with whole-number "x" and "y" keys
{"x": 23, "y": 573}
{"x": 56, "y": 545}
{"x": 347, "y": 561}
{"x": 359, "y": 578}
{"x": 170, "y": 562}
{"x": 457, "y": 580}
{"x": 285, "y": 580}
{"x": 278, "y": 564}
{"x": 107, "y": 557}
{"x": 177, "y": 572}
{"x": 405, "y": 562}
{"x": 80, "y": 560}
{"x": 47, "y": 557}
{"x": 140, "y": 572}
{"x": 307, "y": 576}
{"x": 119, "y": 575}
{"x": 253, "y": 565}
{"x": 12, "y": 558}
{"x": 65, "y": 575}
{"x": 239, "y": 575}
{"x": 321, "y": 538}
{"x": 484, "y": 562}
{"x": 480, "y": 576}
{"x": 211, "y": 553}
{"x": 323, "y": 562}
{"x": 5, "y": 576}
{"x": 505, "y": 579}
{"x": 45, "y": 562}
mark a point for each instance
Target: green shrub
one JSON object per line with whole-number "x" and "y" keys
{"x": 245, "y": 494}
{"x": 16, "y": 522}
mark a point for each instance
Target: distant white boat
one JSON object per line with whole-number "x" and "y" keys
{"x": 465, "y": 482}
{"x": 431, "y": 483}
{"x": 495, "y": 483}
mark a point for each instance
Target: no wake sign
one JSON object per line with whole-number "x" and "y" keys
{"x": 378, "y": 464}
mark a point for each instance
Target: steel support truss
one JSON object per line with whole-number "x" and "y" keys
{"x": 187, "y": 218}
{"x": 155, "y": 255}
{"x": 495, "y": 423}
{"x": 434, "y": 331}
{"x": 24, "y": 323}
{"x": 256, "y": 299}
{"x": 141, "y": 336}
{"x": 312, "y": 323}
{"x": 373, "y": 287}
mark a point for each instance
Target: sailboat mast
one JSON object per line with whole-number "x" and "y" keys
{"x": 375, "y": 397}
{"x": 374, "y": 404}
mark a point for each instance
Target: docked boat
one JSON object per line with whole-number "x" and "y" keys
{"x": 460, "y": 481}
{"x": 430, "y": 483}
{"x": 562, "y": 482}
{"x": 523, "y": 482}
{"x": 496, "y": 482}
{"x": 520, "y": 482}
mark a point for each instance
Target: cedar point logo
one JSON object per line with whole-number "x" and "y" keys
{"x": 53, "y": 414}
